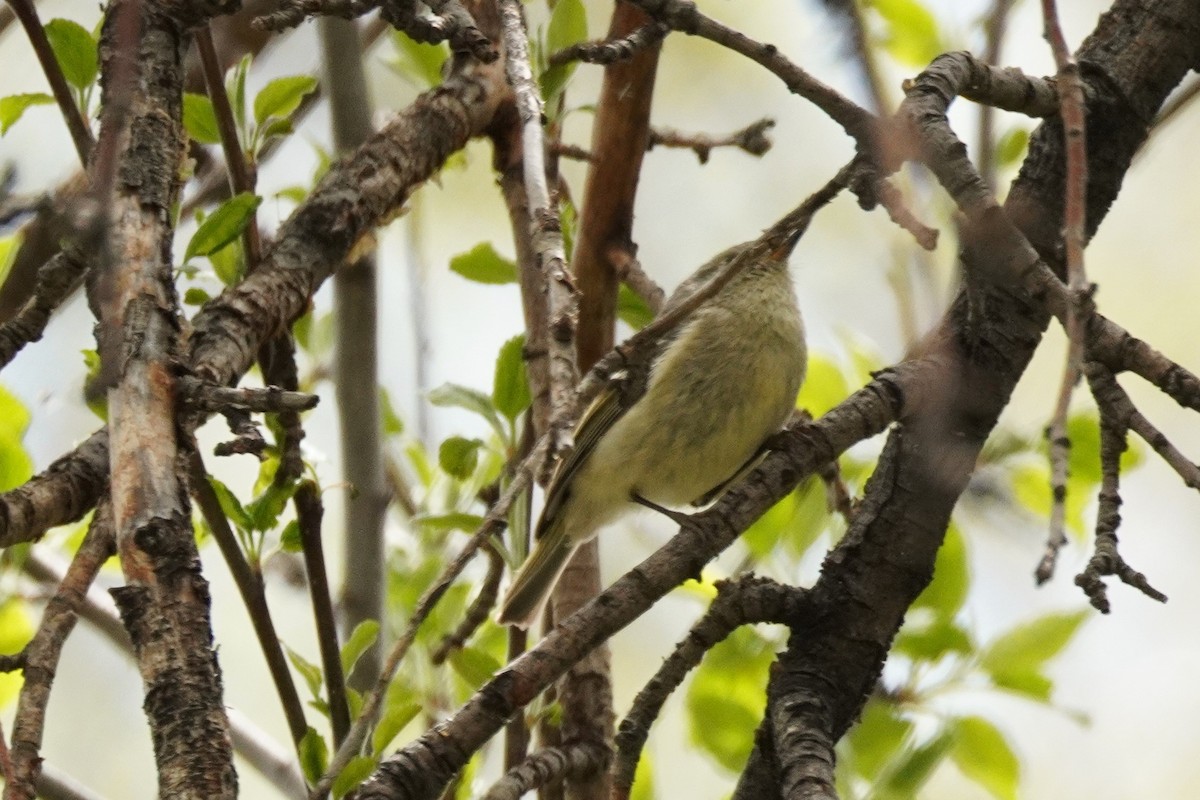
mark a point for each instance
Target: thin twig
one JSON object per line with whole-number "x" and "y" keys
{"x": 752, "y": 139}
{"x": 208, "y": 397}
{"x": 995, "y": 27}
{"x": 1106, "y": 558}
{"x": 630, "y": 271}
{"x": 309, "y": 511}
{"x": 477, "y": 613}
{"x": 1071, "y": 101}
{"x": 610, "y": 52}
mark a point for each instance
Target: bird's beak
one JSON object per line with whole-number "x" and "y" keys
{"x": 784, "y": 250}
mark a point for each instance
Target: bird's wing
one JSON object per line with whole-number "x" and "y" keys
{"x": 595, "y": 422}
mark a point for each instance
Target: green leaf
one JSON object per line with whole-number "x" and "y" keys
{"x": 568, "y": 25}
{"x": 282, "y": 96}
{"x": 643, "y": 779}
{"x": 223, "y": 225}
{"x": 9, "y": 247}
{"x": 510, "y": 386}
{"x": 275, "y": 127}
{"x": 75, "y": 50}
{"x": 632, "y": 309}
{"x": 875, "y": 740}
{"x": 235, "y": 87}
{"x": 933, "y": 641}
{"x": 824, "y": 386}
{"x": 912, "y": 36}
{"x": 357, "y": 771}
{"x": 392, "y": 424}
{"x": 14, "y": 416}
{"x": 16, "y": 466}
{"x": 308, "y": 670}
{"x": 228, "y": 263}
{"x": 983, "y": 754}
{"x": 726, "y": 698}
{"x": 951, "y": 577}
{"x": 451, "y": 395}
{"x": 1083, "y": 462}
{"x": 230, "y": 505}
{"x": 917, "y": 766}
{"x": 265, "y": 509}
{"x": 16, "y": 630}
{"x": 1015, "y": 660}
{"x": 459, "y": 456}
{"x": 444, "y": 523}
{"x": 1011, "y": 147}
{"x": 421, "y": 63}
{"x": 199, "y": 118}
{"x": 473, "y": 665}
{"x": 13, "y": 107}
{"x": 1030, "y": 684}
{"x": 195, "y": 296}
{"x": 483, "y": 264}
{"x": 289, "y": 538}
{"x": 314, "y": 755}
{"x": 1032, "y": 644}
{"x": 400, "y": 708}
{"x": 553, "y": 83}
{"x": 360, "y": 640}
{"x": 98, "y": 405}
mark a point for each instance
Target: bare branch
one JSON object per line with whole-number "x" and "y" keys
{"x": 1107, "y": 560}
{"x": 752, "y": 139}
{"x": 610, "y": 52}
{"x": 550, "y": 766}
{"x": 546, "y": 230}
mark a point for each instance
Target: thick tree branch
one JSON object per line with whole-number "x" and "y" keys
{"x": 165, "y": 604}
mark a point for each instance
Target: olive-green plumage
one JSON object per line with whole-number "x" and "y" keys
{"x": 722, "y": 381}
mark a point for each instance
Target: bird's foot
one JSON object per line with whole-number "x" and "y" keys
{"x": 677, "y": 517}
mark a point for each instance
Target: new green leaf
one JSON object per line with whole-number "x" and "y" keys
{"x": 632, "y": 309}
{"x": 223, "y": 225}
{"x": 75, "y": 50}
{"x": 458, "y": 456}
{"x": 453, "y": 395}
{"x": 199, "y": 118}
{"x": 510, "y": 386}
{"x": 361, "y": 638}
{"x": 483, "y": 264}
{"x": 983, "y": 754}
{"x": 13, "y": 107}
{"x": 282, "y": 96}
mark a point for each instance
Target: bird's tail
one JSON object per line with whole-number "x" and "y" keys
{"x": 536, "y": 578}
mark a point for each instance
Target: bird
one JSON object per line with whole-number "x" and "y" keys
{"x": 720, "y": 384}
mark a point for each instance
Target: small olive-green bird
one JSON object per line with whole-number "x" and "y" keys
{"x": 721, "y": 382}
